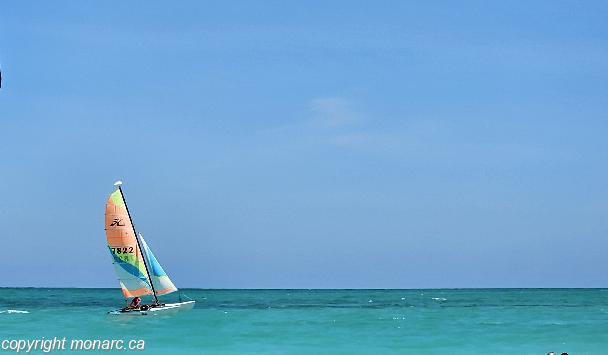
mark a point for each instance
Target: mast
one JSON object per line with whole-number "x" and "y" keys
{"x": 141, "y": 250}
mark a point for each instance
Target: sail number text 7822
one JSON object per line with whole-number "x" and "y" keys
{"x": 122, "y": 250}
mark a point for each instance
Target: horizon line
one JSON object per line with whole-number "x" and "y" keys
{"x": 322, "y": 289}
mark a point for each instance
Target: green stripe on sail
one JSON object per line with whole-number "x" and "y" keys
{"x": 116, "y": 197}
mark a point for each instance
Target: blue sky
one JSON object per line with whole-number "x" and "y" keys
{"x": 308, "y": 144}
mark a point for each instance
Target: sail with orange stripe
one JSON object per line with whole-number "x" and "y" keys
{"x": 132, "y": 269}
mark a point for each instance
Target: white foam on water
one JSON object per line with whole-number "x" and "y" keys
{"x": 14, "y": 311}
{"x": 441, "y": 299}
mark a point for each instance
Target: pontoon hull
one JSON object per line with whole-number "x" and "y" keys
{"x": 168, "y": 308}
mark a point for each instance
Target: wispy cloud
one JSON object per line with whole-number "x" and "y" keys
{"x": 364, "y": 140}
{"x": 334, "y": 111}
{"x": 344, "y": 126}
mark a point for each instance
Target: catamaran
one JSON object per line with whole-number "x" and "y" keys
{"x": 138, "y": 270}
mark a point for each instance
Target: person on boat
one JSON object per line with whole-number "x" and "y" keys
{"x": 135, "y": 304}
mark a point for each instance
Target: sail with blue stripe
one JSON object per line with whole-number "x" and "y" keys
{"x": 162, "y": 283}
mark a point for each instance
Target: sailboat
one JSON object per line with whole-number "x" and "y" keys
{"x": 139, "y": 272}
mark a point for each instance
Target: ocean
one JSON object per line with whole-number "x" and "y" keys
{"x": 429, "y": 321}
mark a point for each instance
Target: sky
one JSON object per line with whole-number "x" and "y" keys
{"x": 321, "y": 144}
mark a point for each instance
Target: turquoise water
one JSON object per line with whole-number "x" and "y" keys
{"x": 468, "y": 321}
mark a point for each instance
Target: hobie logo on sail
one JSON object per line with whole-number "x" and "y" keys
{"x": 116, "y": 223}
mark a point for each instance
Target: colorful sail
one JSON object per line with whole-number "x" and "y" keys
{"x": 162, "y": 283}
{"x": 126, "y": 256}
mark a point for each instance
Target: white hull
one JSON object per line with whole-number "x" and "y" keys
{"x": 167, "y": 308}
